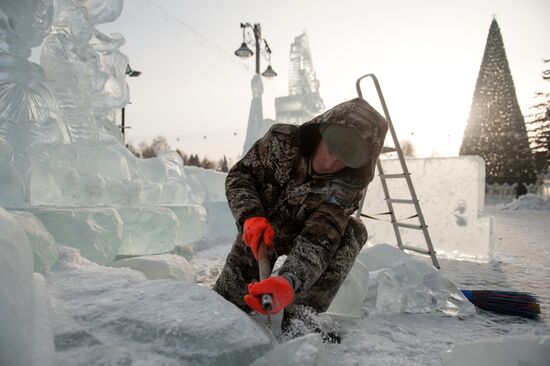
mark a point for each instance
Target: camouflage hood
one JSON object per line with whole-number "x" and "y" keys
{"x": 357, "y": 114}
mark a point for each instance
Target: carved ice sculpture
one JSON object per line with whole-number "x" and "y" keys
{"x": 59, "y": 142}
{"x": 86, "y": 68}
{"x": 60, "y": 147}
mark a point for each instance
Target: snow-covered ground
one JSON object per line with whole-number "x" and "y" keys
{"x": 109, "y": 235}
{"x": 114, "y": 316}
{"x": 522, "y": 262}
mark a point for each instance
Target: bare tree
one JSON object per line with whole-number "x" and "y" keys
{"x": 408, "y": 148}
{"x": 157, "y": 146}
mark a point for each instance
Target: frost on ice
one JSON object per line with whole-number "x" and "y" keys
{"x": 384, "y": 280}
{"x": 42, "y": 242}
{"x": 304, "y": 351}
{"x": 162, "y": 266}
{"x": 181, "y": 321}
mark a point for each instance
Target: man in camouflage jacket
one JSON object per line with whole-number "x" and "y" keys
{"x": 310, "y": 213}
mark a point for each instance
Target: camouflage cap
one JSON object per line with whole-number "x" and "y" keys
{"x": 345, "y": 143}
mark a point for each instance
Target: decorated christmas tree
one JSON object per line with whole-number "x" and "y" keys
{"x": 496, "y": 128}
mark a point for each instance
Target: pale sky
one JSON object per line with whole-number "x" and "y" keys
{"x": 425, "y": 53}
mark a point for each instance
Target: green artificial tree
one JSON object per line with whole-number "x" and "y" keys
{"x": 496, "y": 128}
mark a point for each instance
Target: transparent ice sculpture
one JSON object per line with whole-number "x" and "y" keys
{"x": 59, "y": 142}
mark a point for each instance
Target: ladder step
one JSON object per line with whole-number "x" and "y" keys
{"x": 418, "y": 250}
{"x": 387, "y": 149}
{"x": 396, "y": 200}
{"x": 408, "y": 226}
{"x": 390, "y": 176}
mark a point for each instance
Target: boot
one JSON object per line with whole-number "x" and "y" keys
{"x": 306, "y": 321}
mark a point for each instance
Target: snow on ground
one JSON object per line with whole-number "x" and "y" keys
{"x": 522, "y": 262}
{"x": 112, "y": 316}
{"x": 526, "y": 202}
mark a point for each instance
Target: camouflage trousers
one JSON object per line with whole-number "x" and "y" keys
{"x": 241, "y": 268}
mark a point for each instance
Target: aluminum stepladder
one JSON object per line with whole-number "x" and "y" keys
{"x": 404, "y": 175}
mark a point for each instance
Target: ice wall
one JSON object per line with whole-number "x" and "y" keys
{"x": 86, "y": 68}
{"x": 59, "y": 142}
{"x": 451, "y": 195}
{"x": 60, "y": 147}
{"x": 211, "y": 187}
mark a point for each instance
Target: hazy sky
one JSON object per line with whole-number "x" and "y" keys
{"x": 425, "y": 53}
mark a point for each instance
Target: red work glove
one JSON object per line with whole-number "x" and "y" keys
{"x": 278, "y": 287}
{"x": 254, "y": 229}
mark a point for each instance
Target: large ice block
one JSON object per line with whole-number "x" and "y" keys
{"x": 162, "y": 266}
{"x": 221, "y": 223}
{"x": 96, "y": 232}
{"x": 43, "y": 245}
{"x": 208, "y": 185}
{"x": 402, "y": 283}
{"x": 505, "y": 351}
{"x": 43, "y": 189}
{"x": 91, "y": 173}
{"x": 192, "y": 219}
{"x": 158, "y": 229}
{"x": 148, "y": 230}
{"x": 349, "y": 299}
{"x": 16, "y": 293}
{"x": 208, "y": 188}
{"x": 451, "y": 196}
{"x": 304, "y": 351}
{"x": 180, "y": 321}
{"x": 124, "y": 192}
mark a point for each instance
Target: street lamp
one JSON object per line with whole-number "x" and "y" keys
{"x": 245, "y": 52}
{"x": 131, "y": 73}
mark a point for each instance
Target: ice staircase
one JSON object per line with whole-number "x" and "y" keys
{"x": 404, "y": 174}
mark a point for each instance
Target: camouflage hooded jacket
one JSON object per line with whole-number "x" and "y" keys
{"x": 309, "y": 212}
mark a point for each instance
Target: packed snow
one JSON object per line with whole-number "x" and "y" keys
{"x": 105, "y": 315}
{"x": 526, "y": 202}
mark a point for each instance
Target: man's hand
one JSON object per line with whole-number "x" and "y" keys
{"x": 278, "y": 287}
{"x": 254, "y": 228}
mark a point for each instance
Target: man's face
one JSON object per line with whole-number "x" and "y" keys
{"x": 323, "y": 162}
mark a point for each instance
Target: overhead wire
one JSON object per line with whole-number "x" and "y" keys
{"x": 175, "y": 19}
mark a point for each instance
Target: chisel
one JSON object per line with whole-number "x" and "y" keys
{"x": 264, "y": 265}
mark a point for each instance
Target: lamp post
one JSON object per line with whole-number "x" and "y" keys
{"x": 245, "y": 52}
{"x": 131, "y": 73}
